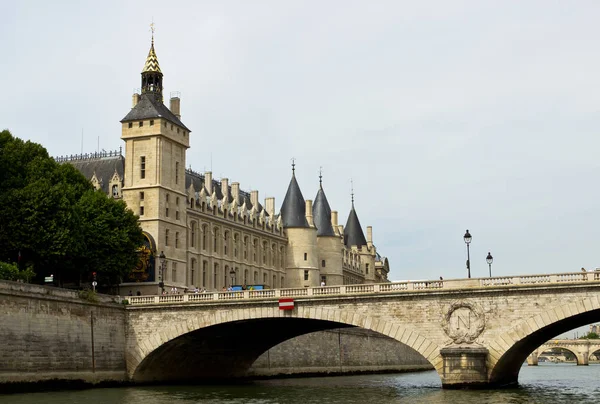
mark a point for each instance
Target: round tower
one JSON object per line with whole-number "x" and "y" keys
{"x": 329, "y": 243}
{"x": 301, "y": 256}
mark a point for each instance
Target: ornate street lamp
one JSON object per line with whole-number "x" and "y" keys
{"x": 467, "y": 238}
{"x": 161, "y": 274}
{"x": 489, "y": 259}
{"x": 232, "y": 273}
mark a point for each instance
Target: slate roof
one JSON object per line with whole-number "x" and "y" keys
{"x": 150, "y": 107}
{"x": 151, "y": 64}
{"x": 322, "y": 214}
{"x": 103, "y": 167}
{"x": 353, "y": 234}
{"x": 293, "y": 208}
{"x": 192, "y": 177}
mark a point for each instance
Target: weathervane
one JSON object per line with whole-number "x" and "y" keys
{"x": 293, "y": 165}
{"x": 352, "y": 191}
{"x": 321, "y": 177}
{"x": 152, "y": 29}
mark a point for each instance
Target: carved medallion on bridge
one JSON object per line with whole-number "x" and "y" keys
{"x": 463, "y": 322}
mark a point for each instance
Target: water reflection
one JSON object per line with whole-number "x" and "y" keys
{"x": 547, "y": 383}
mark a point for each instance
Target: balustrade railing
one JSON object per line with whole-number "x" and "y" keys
{"x": 393, "y": 287}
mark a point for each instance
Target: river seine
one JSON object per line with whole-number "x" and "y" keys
{"x": 546, "y": 383}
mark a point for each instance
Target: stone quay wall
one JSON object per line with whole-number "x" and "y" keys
{"x": 53, "y": 335}
{"x": 339, "y": 351}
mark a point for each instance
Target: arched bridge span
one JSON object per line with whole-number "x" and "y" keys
{"x": 474, "y": 332}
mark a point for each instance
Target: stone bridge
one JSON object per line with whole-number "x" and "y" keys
{"x": 475, "y": 332}
{"x": 581, "y": 348}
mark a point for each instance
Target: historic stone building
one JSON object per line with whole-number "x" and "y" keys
{"x": 212, "y": 233}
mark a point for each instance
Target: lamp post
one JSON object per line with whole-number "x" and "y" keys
{"x": 489, "y": 259}
{"x": 161, "y": 274}
{"x": 232, "y": 273}
{"x": 467, "y": 238}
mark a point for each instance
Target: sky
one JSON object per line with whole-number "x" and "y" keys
{"x": 446, "y": 116}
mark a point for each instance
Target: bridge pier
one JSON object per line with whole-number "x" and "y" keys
{"x": 464, "y": 366}
{"x": 532, "y": 360}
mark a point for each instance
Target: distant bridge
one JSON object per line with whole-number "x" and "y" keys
{"x": 475, "y": 332}
{"x": 581, "y": 348}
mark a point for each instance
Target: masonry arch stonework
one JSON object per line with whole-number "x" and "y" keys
{"x": 509, "y": 350}
{"x": 171, "y": 331}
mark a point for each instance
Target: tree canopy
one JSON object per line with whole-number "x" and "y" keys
{"x": 53, "y": 221}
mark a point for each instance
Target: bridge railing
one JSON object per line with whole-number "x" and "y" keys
{"x": 393, "y": 287}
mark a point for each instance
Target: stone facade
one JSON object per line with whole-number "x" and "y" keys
{"x": 50, "y": 333}
{"x": 213, "y": 234}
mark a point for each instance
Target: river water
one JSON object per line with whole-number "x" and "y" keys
{"x": 545, "y": 384}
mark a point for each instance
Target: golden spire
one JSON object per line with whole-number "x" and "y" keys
{"x": 151, "y": 61}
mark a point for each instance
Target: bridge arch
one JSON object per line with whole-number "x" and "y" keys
{"x": 257, "y": 329}
{"x": 508, "y": 351}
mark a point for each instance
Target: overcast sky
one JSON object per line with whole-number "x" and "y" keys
{"x": 447, "y": 115}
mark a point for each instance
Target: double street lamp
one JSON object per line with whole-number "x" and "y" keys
{"x": 161, "y": 274}
{"x": 467, "y": 238}
{"x": 489, "y": 259}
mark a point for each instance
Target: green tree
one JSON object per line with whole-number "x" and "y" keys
{"x": 590, "y": 335}
{"x": 53, "y": 220}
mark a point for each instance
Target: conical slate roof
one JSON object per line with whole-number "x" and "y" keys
{"x": 322, "y": 215}
{"x": 151, "y": 61}
{"x": 353, "y": 234}
{"x": 293, "y": 209}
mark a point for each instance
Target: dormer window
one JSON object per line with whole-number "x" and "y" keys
{"x": 115, "y": 191}
{"x": 151, "y": 123}
{"x": 130, "y": 125}
{"x": 141, "y": 123}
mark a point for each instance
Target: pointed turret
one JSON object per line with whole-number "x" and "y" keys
{"x": 353, "y": 234}
{"x": 151, "y": 75}
{"x": 322, "y": 212}
{"x": 293, "y": 208}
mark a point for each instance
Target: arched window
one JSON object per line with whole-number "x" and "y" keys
{"x": 273, "y": 254}
{"x": 204, "y": 272}
{"x": 215, "y": 274}
{"x": 193, "y": 234}
{"x": 225, "y": 242}
{"x": 245, "y": 276}
{"x": 192, "y": 271}
{"x": 245, "y": 247}
{"x": 264, "y": 253}
{"x": 255, "y": 277}
{"x": 215, "y": 238}
{"x": 204, "y": 236}
{"x": 235, "y": 245}
{"x": 254, "y": 248}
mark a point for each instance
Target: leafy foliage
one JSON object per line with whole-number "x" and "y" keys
{"x": 590, "y": 335}
{"x": 54, "y": 221}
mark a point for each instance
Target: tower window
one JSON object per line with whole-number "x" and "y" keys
{"x": 177, "y": 130}
{"x": 323, "y": 263}
{"x": 167, "y": 212}
{"x": 151, "y": 123}
{"x": 367, "y": 268}
{"x": 141, "y": 196}
{"x": 174, "y": 272}
{"x": 176, "y": 239}
{"x": 141, "y": 211}
{"x": 177, "y": 201}
{"x": 165, "y": 124}
{"x": 176, "y": 215}
{"x": 167, "y": 237}
{"x": 305, "y": 256}
{"x": 141, "y": 123}
{"x": 143, "y": 167}
{"x": 130, "y": 125}
{"x": 177, "y": 173}
{"x": 305, "y": 275}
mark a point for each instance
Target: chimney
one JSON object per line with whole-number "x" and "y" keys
{"x": 254, "y": 198}
{"x": 208, "y": 182}
{"x": 309, "y": 216}
{"x": 175, "y": 106}
{"x": 225, "y": 186}
{"x": 370, "y": 236}
{"x": 235, "y": 191}
{"x": 135, "y": 100}
{"x": 334, "y": 218}
{"x": 270, "y": 206}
